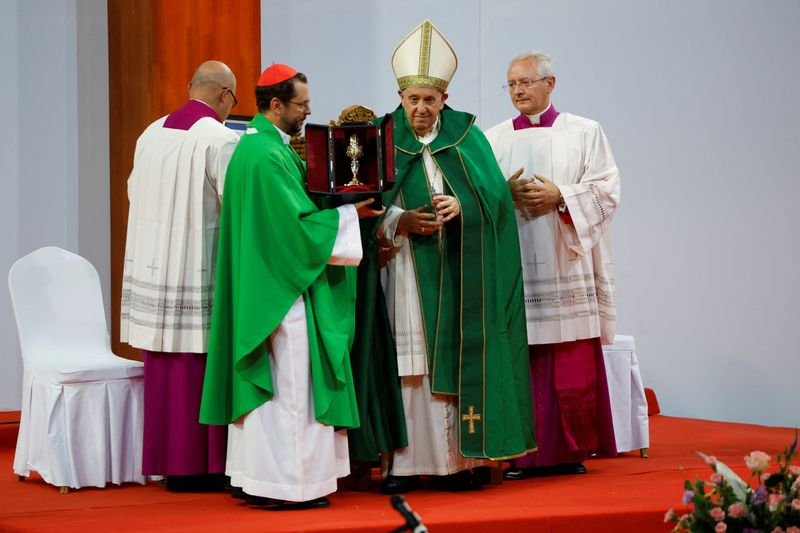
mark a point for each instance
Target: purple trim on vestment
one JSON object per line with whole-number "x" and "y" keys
{"x": 546, "y": 119}
{"x": 175, "y": 443}
{"x": 556, "y": 446}
{"x": 185, "y": 117}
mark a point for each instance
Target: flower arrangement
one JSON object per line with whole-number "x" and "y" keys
{"x": 769, "y": 503}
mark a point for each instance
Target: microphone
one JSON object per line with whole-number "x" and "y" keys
{"x": 413, "y": 522}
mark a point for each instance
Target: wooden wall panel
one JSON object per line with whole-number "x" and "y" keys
{"x": 154, "y": 47}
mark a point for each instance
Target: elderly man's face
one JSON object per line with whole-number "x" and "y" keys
{"x": 422, "y": 106}
{"x": 535, "y": 97}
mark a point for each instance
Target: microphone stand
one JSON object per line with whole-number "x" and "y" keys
{"x": 413, "y": 522}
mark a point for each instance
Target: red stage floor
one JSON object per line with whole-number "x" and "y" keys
{"x": 625, "y": 493}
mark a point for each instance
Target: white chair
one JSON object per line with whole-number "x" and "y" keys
{"x": 81, "y": 416}
{"x": 626, "y": 391}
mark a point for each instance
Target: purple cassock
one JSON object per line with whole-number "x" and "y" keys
{"x": 175, "y": 443}
{"x": 571, "y": 404}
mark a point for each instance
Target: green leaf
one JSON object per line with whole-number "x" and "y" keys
{"x": 740, "y": 488}
{"x": 774, "y": 480}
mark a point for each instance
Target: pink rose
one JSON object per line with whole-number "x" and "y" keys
{"x": 796, "y": 504}
{"x": 717, "y": 514}
{"x": 716, "y": 478}
{"x": 669, "y": 515}
{"x": 777, "y": 530}
{"x": 793, "y": 529}
{"x": 794, "y": 469}
{"x": 720, "y": 527}
{"x": 757, "y": 461}
{"x": 737, "y": 510}
{"x": 774, "y": 500}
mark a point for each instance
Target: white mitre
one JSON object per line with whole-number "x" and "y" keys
{"x": 424, "y": 58}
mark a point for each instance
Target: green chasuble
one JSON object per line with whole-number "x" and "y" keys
{"x": 470, "y": 286}
{"x": 274, "y": 246}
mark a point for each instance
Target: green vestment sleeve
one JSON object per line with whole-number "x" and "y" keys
{"x": 274, "y": 246}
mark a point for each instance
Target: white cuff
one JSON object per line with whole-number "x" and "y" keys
{"x": 390, "y": 226}
{"x": 347, "y": 247}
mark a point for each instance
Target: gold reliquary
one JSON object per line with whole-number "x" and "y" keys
{"x": 351, "y": 160}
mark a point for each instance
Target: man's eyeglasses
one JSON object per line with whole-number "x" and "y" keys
{"x": 525, "y": 84}
{"x": 305, "y": 105}
{"x": 228, "y": 89}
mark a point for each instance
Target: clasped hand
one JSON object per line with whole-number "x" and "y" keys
{"x": 422, "y": 222}
{"x": 533, "y": 199}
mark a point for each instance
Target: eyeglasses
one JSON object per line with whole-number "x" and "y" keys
{"x": 305, "y": 105}
{"x": 525, "y": 84}
{"x": 228, "y": 89}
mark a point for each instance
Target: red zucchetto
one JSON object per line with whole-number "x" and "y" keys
{"x": 275, "y": 74}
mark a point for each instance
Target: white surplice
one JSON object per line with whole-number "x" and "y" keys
{"x": 567, "y": 268}
{"x": 431, "y": 419}
{"x": 279, "y": 450}
{"x": 173, "y": 222}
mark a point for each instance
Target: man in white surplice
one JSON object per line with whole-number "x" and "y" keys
{"x": 564, "y": 208}
{"x": 174, "y": 190}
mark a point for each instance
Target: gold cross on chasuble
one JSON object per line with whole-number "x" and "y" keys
{"x": 471, "y": 417}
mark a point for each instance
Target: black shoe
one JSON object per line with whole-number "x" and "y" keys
{"x": 517, "y": 474}
{"x": 196, "y": 483}
{"x": 568, "y": 469}
{"x": 458, "y": 482}
{"x": 238, "y": 493}
{"x": 272, "y": 504}
{"x": 399, "y": 484}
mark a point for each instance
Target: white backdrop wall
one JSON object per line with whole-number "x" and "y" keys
{"x": 54, "y": 150}
{"x": 10, "y": 364}
{"x": 699, "y": 101}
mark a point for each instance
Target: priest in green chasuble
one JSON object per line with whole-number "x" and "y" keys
{"x": 278, "y": 366}
{"x": 453, "y": 284}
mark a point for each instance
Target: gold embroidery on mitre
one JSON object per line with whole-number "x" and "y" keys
{"x": 421, "y": 81}
{"x": 425, "y": 49}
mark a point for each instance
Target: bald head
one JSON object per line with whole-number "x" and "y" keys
{"x": 214, "y": 83}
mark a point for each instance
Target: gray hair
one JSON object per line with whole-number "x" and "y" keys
{"x": 544, "y": 63}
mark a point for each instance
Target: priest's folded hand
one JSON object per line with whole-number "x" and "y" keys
{"x": 523, "y": 194}
{"x": 540, "y": 198}
{"x": 517, "y": 186}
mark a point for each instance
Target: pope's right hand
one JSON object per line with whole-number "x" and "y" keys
{"x": 420, "y": 221}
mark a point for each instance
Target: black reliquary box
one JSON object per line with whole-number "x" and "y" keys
{"x": 351, "y": 162}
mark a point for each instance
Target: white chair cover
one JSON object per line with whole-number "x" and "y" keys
{"x": 82, "y": 406}
{"x": 625, "y": 387}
